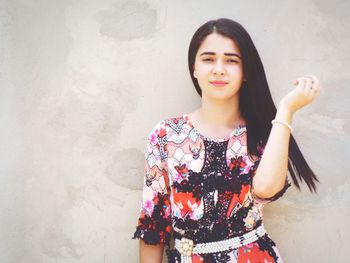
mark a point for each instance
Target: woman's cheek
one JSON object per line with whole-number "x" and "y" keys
{"x": 205, "y": 70}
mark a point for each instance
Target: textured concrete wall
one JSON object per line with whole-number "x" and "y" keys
{"x": 82, "y": 83}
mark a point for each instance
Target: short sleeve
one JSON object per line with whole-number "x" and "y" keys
{"x": 261, "y": 200}
{"x": 154, "y": 222}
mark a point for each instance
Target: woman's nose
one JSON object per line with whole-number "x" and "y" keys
{"x": 218, "y": 68}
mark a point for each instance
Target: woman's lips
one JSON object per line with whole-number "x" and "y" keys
{"x": 218, "y": 83}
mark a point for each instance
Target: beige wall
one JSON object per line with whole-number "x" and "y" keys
{"x": 83, "y": 82}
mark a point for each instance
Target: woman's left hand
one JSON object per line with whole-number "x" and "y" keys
{"x": 307, "y": 89}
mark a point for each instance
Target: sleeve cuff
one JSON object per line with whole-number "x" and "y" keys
{"x": 153, "y": 233}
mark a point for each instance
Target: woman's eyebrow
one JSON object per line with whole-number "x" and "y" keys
{"x": 232, "y": 54}
{"x": 226, "y": 54}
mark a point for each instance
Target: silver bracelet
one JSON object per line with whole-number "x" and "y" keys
{"x": 283, "y": 122}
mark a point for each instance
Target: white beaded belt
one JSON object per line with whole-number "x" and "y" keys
{"x": 186, "y": 246}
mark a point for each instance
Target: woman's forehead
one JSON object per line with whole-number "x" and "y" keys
{"x": 218, "y": 44}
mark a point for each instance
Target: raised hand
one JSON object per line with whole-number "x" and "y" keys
{"x": 307, "y": 89}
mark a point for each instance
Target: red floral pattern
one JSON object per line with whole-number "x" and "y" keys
{"x": 201, "y": 189}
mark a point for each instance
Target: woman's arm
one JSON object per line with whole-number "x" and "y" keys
{"x": 151, "y": 253}
{"x": 272, "y": 171}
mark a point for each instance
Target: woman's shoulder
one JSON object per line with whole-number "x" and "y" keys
{"x": 168, "y": 121}
{"x": 158, "y": 129}
{"x": 166, "y": 126}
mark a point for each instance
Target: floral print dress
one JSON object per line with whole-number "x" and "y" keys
{"x": 201, "y": 188}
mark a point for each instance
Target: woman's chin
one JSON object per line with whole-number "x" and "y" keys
{"x": 219, "y": 95}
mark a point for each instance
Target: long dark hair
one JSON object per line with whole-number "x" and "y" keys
{"x": 255, "y": 100}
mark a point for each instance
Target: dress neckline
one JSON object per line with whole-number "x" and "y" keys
{"x": 234, "y": 132}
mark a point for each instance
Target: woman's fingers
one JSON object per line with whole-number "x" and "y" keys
{"x": 308, "y": 86}
{"x": 316, "y": 82}
{"x": 316, "y": 87}
{"x": 315, "y": 79}
{"x": 300, "y": 83}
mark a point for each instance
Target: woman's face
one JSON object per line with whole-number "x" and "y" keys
{"x": 218, "y": 67}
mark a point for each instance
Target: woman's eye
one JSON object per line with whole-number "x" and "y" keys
{"x": 208, "y": 59}
{"x": 232, "y": 61}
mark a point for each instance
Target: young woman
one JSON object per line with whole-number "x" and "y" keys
{"x": 209, "y": 173}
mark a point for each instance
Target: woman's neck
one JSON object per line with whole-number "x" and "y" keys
{"x": 224, "y": 114}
